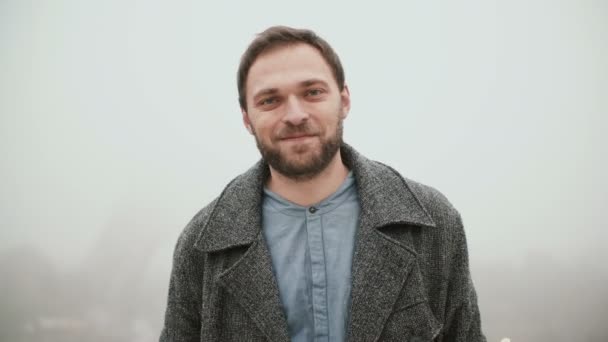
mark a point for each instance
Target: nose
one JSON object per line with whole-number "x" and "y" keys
{"x": 294, "y": 112}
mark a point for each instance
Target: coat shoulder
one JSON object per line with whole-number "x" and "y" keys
{"x": 197, "y": 226}
{"x": 189, "y": 235}
{"x": 435, "y": 203}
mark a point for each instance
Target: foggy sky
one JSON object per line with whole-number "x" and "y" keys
{"x": 119, "y": 120}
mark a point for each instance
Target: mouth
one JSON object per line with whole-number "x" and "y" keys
{"x": 297, "y": 137}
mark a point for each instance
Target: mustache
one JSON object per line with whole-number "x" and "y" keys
{"x": 290, "y": 131}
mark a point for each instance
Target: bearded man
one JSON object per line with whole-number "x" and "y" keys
{"x": 315, "y": 242}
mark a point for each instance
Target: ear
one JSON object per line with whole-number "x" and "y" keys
{"x": 246, "y": 121}
{"x": 345, "y": 97}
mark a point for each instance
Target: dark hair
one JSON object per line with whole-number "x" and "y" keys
{"x": 281, "y": 36}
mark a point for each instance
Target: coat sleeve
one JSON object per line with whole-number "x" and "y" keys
{"x": 182, "y": 316}
{"x": 463, "y": 322}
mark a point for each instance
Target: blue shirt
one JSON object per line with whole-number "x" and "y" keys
{"x": 312, "y": 250}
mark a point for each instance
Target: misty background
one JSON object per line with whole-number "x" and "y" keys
{"x": 119, "y": 120}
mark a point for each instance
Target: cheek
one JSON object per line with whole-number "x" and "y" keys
{"x": 264, "y": 129}
{"x": 331, "y": 124}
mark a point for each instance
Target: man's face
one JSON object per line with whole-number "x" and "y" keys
{"x": 295, "y": 110}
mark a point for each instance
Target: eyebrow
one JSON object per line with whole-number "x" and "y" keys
{"x": 313, "y": 81}
{"x": 264, "y": 92}
{"x": 303, "y": 84}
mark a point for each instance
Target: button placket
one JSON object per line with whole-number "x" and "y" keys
{"x": 319, "y": 280}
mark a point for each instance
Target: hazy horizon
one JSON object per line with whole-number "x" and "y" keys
{"x": 119, "y": 120}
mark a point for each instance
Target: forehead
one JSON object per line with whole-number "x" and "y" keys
{"x": 286, "y": 66}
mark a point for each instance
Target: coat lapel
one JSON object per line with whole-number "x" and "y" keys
{"x": 252, "y": 283}
{"x": 381, "y": 265}
{"x": 236, "y": 221}
{"x": 380, "y": 269}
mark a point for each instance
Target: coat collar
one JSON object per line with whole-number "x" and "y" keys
{"x": 236, "y": 217}
{"x": 382, "y": 267}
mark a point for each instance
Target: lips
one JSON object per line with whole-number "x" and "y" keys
{"x": 297, "y": 137}
{"x": 297, "y": 133}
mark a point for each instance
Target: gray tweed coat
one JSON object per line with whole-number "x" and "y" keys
{"x": 410, "y": 276}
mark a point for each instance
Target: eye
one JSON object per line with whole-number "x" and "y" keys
{"x": 267, "y": 101}
{"x": 314, "y": 92}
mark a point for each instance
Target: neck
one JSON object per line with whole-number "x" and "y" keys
{"x": 310, "y": 191}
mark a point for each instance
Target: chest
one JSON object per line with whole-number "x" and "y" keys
{"x": 312, "y": 251}
{"x": 390, "y": 287}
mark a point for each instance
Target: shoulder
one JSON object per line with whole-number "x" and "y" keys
{"x": 449, "y": 230}
{"x": 435, "y": 203}
{"x": 190, "y": 233}
{"x": 437, "y": 206}
{"x": 197, "y": 222}
{"x": 234, "y": 208}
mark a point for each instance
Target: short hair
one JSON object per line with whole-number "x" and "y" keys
{"x": 276, "y": 36}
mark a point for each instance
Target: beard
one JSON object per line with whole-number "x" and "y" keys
{"x": 301, "y": 163}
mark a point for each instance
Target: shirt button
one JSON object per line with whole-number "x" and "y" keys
{"x": 312, "y": 210}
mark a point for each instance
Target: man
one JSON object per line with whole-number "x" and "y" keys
{"x": 316, "y": 242}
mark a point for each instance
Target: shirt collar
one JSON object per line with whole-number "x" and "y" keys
{"x": 277, "y": 202}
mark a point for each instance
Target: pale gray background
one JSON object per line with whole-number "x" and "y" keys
{"x": 119, "y": 120}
